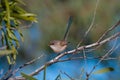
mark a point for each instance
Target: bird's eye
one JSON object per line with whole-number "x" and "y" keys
{"x": 51, "y": 43}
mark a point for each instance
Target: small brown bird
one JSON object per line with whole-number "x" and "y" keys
{"x": 60, "y": 45}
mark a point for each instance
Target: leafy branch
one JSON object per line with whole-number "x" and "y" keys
{"x": 10, "y": 19}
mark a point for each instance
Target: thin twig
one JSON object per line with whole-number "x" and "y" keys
{"x": 26, "y": 64}
{"x": 67, "y": 75}
{"x": 104, "y": 34}
{"x": 89, "y": 58}
{"x": 95, "y": 48}
{"x": 91, "y": 25}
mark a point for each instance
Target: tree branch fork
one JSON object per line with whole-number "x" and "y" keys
{"x": 74, "y": 51}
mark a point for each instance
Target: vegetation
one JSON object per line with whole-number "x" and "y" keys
{"x": 93, "y": 36}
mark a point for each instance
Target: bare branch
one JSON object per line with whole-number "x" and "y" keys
{"x": 67, "y": 75}
{"x": 91, "y": 25}
{"x": 26, "y": 64}
{"x": 89, "y": 58}
{"x": 56, "y": 59}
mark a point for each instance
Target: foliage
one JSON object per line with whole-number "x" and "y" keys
{"x": 27, "y": 77}
{"x": 104, "y": 70}
{"x": 54, "y": 14}
{"x": 11, "y": 15}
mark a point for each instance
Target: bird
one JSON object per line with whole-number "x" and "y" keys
{"x": 60, "y": 45}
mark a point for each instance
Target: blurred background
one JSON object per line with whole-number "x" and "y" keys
{"x": 52, "y": 18}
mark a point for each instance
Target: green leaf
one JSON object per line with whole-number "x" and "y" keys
{"x": 11, "y": 35}
{"x": 27, "y": 77}
{"x": 17, "y": 10}
{"x": 13, "y": 56}
{"x": 104, "y": 70}
{"x": 21, "y": 35}
{"x": 15, "y": 50}
{"x": 16, "y": 41}
{"x": 19, "y": 1}
{"x": 15, "y": 24}
{"x": 6, "y": 52}
{"x": 26, "y": 16}
{"x": 17, "y": 44}
{"x": 9, "y": 60}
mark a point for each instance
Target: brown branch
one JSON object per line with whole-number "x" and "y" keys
{"x": 56, "y": 59}
{"x": 91, "y": 25}
{"x": 89, "y": 58}
{"x": 67, "y": 75}
{"x": 98, "y": 43}
{"x": 26, "y": 64}
{"x": 104, "y": 34}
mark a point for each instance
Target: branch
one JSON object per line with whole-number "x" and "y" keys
{"x": 26, "y": 64}
{"x": 91, "y": 25}
{"x": 67, "y": 75}
{"x": 98, "y": 43}
{"x": 56, "y": 59}
{"x": 103, "y": 57}
{"x": 89, "y": 58}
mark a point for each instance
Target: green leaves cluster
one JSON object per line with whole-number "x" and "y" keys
{"x": 11, "y": 15}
